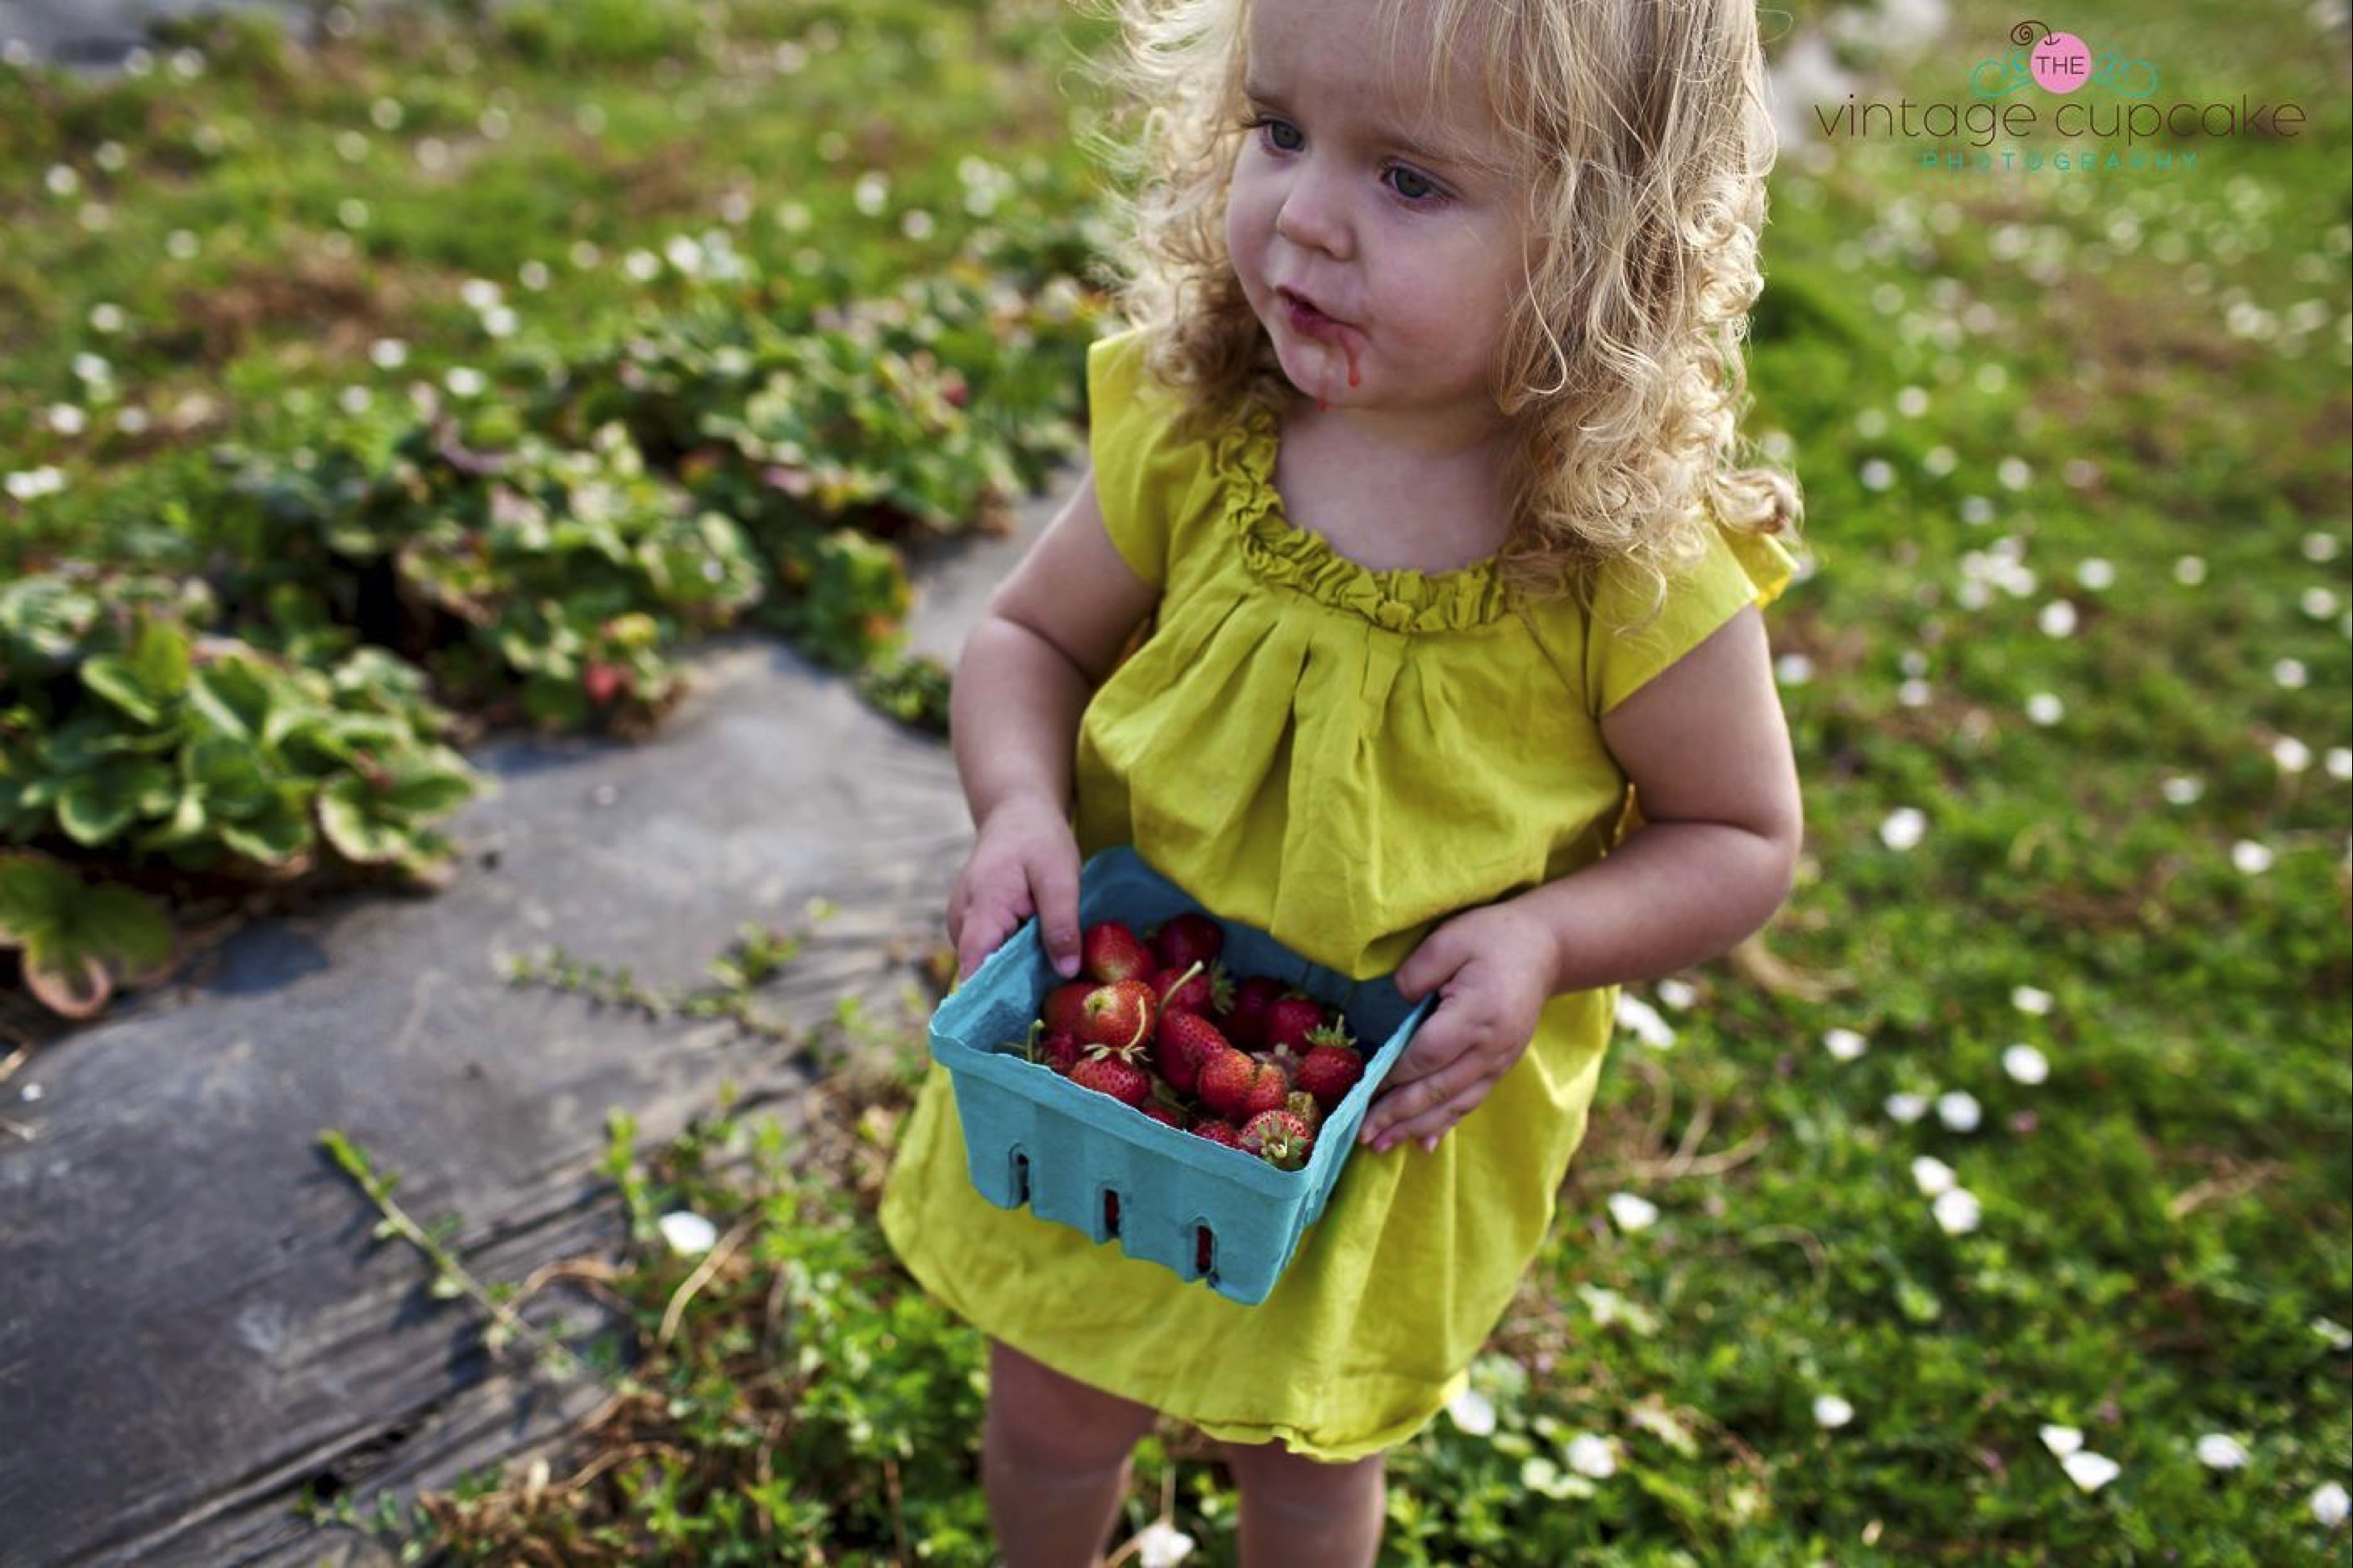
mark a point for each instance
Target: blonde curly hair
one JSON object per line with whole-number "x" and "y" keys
{"x": 1643, "y": 143}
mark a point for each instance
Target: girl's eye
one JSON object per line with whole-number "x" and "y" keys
{"x": 1280, "y": 134}
{"x": 1413, "y": 187}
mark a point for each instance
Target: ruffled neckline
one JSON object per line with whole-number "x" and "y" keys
{"x": 1277, "y": 551}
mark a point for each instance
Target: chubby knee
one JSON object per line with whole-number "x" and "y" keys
{"x": 1045, "y": 1421}
{"x": 1274, "y": 1476}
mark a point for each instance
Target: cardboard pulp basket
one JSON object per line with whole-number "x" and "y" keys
{"x": 1036, "y": 1138}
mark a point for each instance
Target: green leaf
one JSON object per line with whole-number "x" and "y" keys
{"x": 117, "y": 679}
{"x": 347, "y": 816}
{"x": 126, "y": 927}
{"x": 232, "y": 696}
{"x": 94, "y": 808}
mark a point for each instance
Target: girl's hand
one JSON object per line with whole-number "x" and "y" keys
{"x": 1026, "y": 862}
{"x": 1491, "y": 968}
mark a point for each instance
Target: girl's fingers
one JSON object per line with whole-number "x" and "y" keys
{"x": 1385, "y": 1122}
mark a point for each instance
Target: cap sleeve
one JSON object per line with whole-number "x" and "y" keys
{"x": 1139, "y": 470}
{"x": 1623, "y": 652}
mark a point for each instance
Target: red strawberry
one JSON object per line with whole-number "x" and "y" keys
{"x": 1119, "y": 1014}
{"x": 1279, "y": 1138}
{"x": 1161, "y": 1111}
{"x": 1112, "y": 952}
{"x": 1187, "y": 938}
{"x": 1290, "y": 1020}
{"x": 1106, "y": 1071}
{"x": 603, "y": 683}
{"x": 1237, "y": 1086}
{"x": 1059, "y": 1051}
{"x": 1063, "y": 1005}
{"x": 1328, "y": 1072}
{"x": 1217, "y": 1132}
{"x": 1283, "y": 1061}
{"x": 1183, "y": 1042}
{"x": 1246, "y": 1025}
{"x": 1194, "y": 989}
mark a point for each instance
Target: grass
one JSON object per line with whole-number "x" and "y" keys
{"x": 2078, "y": 480}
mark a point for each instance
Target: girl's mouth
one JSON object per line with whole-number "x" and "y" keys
{"x": 1306, "y": 318}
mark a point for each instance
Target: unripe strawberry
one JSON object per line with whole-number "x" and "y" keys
{"x": 1279, "y": 1138}
{"x": 1112, "y": 952}
{"x": 1302, "y": 1104}
{"x": 1187, "y": 938}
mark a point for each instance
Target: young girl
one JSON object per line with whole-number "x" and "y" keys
{"x": 1409, "y": 613}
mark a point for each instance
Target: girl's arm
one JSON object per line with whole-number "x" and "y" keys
{"x": 1046, "y": 639}
{"x": 1707, "y": 751}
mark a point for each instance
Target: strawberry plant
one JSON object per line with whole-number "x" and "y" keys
{"x": 75, "y": 942}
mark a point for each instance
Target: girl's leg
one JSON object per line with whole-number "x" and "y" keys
{"x": 1054, "y": 1459}
{"x": 1301, "y": 1511}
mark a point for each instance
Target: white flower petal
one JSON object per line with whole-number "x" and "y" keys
{"x": 689, "y": 1233}
{"x": 1633, "y": 1212}
{"x": 2329, "y": 1504}
{"x": 2252, "y": 858}
{"x": 1832, "y": 1412}
{"x": 1160, "y": 1544}
{"x": 1958, "y": 1212}
{"x": 1596, "y": 1458}
{"x": 1681, "y": 994}
{"x": 2062, "y": 1440}
{"x": 2218, "y": 1451}
{"x": 1959, "y": 1111}
{"x": 2183, "y": 790}
{"x": 1844, "y": 1044}
{"x": 1933, "y": 1176}
{"x": 2024, "y": 1064}
{"x": 2291, "y": 755}
{"x": 1643, "y": 1021}
{"x": 2028, "y": 999}
{"x": 1903, "y": 828}
{"x": 1906, "y": 1108}
{"x": 2089, "y": 1471}
{"x": 1474, "y": 1412}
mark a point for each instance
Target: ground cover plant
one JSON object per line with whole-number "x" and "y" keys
{"x": 1996, "y": 1208}
{"x": 478, "y": 363}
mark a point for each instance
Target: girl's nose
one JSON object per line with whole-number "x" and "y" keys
{"x": 1313, "y": 215}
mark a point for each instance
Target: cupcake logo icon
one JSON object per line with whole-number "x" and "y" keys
{"x": 2059, "y": 63}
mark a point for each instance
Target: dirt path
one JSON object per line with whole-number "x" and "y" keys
{"x": 195, "y": 1325}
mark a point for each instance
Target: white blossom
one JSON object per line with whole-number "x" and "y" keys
{"x": 1959, "y": 1111}
{"x": 2329, "y": 1504}
{"x": 1160, "y": 1544}
{"x": 1933, "y": 1176}
{"x": 2180, "y": 789}
{"x": 1844, "y": 1044}
{"x": 2062, "y": 1440}
{"x": 2089, "y": 1471}
{"x": 1958, "y": 1212}
{"x": 1632, "y": 1211}
{"x": 1644, "y": 1022}
{"x": 1906, "y": 1108}
{"x": 2024, "y": 1064}
{"x": 2252, "y": 858}
{"x": 1903, "y": 828}
{"x": 1596, "y": 1458}
{"x": 1473, "y": 1412}
{"x": 1832, "y": 1412}
{"x": 689, "y": 1233}
{"x": 2218, "y": 1451}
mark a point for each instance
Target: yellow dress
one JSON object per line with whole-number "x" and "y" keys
{"x": 1342, "y": 757}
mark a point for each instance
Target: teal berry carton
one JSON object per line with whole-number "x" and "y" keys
{"x": 1034, "y": 1137}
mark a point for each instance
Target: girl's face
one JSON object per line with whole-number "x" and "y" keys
{"x": 1378, "y": 245}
